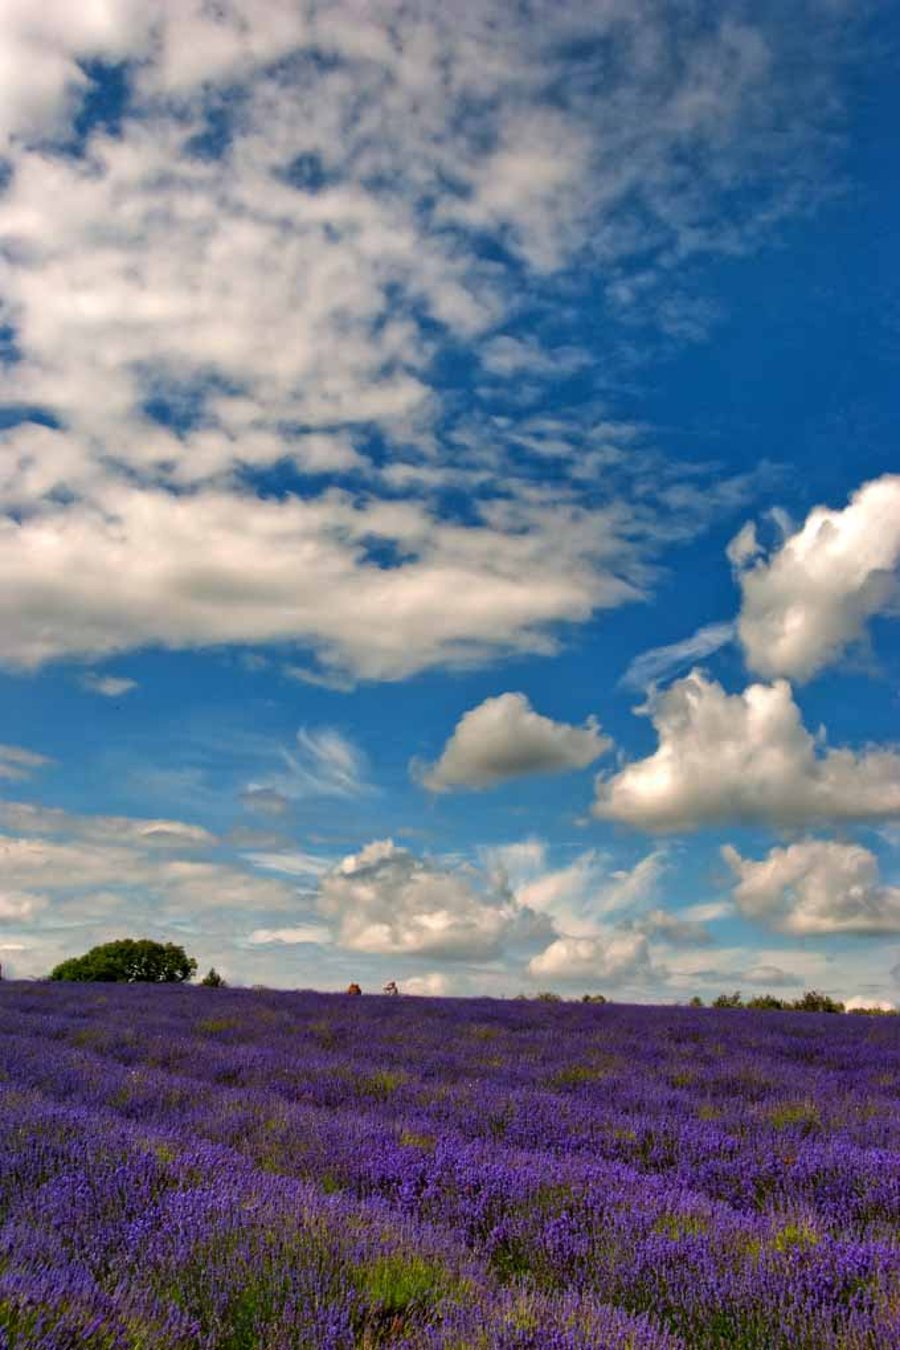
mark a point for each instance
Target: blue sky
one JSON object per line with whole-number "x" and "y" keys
{"x": 449, "y": 500}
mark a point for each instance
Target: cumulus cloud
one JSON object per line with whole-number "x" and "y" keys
{"x": 815, "y": 886}
{"x": 804, "y": 605}
{"x": 385, "y": 900}
{"x": 262, "y": 254}
{"x": 505, "y": 738}
{"x": 744, "y": 757}
{"x": 433, "y": 985}
{"x": 615, "y": 958}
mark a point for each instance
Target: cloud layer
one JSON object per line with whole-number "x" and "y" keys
{"x": 803, "y": 606}
{"x": 505, "y": 738}
{"x": 747, "y": 757}
{"x": 227, "y": 351}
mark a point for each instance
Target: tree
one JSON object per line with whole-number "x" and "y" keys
{"x": 767, "y": 1003}
{"x": 212, "y": 979}
{"x": 696, "y": 1002}
{"x": 129, "y": 961}
{"x": 813, "y": 1001}
{"x": 729, "y": 1000}
{"x": 593, "y": 998}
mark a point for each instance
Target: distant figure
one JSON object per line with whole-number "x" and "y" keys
{"x": 391, "y": 989}
{"x": 353, "y": 989}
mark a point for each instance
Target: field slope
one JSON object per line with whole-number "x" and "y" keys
{"x": 186, "y": 1168}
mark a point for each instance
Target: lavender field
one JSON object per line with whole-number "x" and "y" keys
{"x": 183, "y": 1167}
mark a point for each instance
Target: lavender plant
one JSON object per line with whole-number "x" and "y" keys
{"x": 302, "y": 1170}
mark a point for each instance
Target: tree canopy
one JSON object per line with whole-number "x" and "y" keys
{"x": 129, "y": 961}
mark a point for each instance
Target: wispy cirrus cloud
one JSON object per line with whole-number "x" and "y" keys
{"x": 657, "y": 664}
{"x": 325, "y": 763}
{"x": 17, "y": 763}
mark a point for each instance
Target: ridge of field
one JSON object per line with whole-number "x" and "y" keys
{"x": 248, "y": 1168}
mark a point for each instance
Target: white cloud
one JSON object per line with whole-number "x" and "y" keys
{"x": 18, "y": 905}
{"x": 295, "y": 863}
{"x": 41, "y": 81}
{"x": 707, "y": 911}
{"x": 660, "y": 662}
{"x": 108, "y": 686}
{"x": 17, "y": 763}
{"x": 673, "y": 928}
{"x": 67, "y": 869}
{"x": 315, "y": 934}
{"x": 744, "y": 757}
{"x": 199, "y": 314}
{"x": 433, "y": 985}
{"x": 505, "y": 738}
{"x": 265, "y": 801}
{"x": 615, "y": 958}
{"x": 326, "y": 763}
{"x": 33, "y": 818}
{"x": 815, "y": 886}
{"x": 384, "y": 900}
{"x": 863, "y": 1001}
{"x": 578, "y": 896}
{"x": 744, "y": 547}
{"x": 212, "y": 568}
{"x": 803, "y": 606}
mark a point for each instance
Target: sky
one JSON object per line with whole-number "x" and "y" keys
{"x": 449, "y": 492}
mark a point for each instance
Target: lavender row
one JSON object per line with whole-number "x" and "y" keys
{"x": 506, "y": 1172}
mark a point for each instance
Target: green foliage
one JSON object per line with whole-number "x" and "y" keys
{"x": 696, "y": 1002}
{"x": 593, "y": 998}
{"x": 129, "y": 961}
{"x": 813, "y": 1001}
{"x": 547, "y": 996}
{"x": 729, "y": 1000}
{"x": 213, "y": 980}
{"x": 395, "y": 1290}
